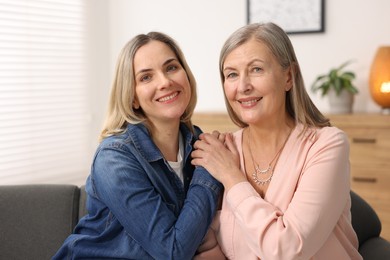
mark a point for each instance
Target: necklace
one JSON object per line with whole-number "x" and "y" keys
{"x": 258, "y": 171}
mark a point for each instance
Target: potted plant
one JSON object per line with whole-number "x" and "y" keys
{"x": 337, "y": 84}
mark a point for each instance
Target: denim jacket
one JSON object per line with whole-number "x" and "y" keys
{"x": 138, "y": 208}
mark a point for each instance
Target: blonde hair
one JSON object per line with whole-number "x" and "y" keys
{"x": 298, "y": 103}
{"x": 120, "y": 109}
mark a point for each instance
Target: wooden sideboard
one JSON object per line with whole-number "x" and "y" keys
{"x": 369, "y": 136}
{"x": 209, "y": 122}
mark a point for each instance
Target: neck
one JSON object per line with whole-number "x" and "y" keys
{"x": 166, "y": 138}
{"x": 270, "y": 135}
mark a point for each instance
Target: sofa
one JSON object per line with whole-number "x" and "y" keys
{"x": 36, "y": 219}
{"x": 367, "y": 226}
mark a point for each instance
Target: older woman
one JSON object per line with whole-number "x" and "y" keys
{"x": 286, "y": 171}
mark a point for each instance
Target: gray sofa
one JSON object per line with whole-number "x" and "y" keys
{"x": 36, "y": 219}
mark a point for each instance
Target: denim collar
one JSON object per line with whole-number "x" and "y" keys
{"x": 140, "y": 137}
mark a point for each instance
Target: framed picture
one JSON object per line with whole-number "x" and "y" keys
{"x": 294, "y": 16}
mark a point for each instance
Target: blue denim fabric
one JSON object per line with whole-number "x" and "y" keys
{"x": 138, "y": 208}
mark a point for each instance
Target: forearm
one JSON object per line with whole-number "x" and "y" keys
{"x": 149, "y": 214}
{"x": 196, "y": 215}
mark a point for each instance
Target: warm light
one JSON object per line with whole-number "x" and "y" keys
{"x": 385, "y": 87}
{"x": 380, "y": 77}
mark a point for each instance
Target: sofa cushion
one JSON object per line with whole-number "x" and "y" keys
{"x": 36, "y": 219}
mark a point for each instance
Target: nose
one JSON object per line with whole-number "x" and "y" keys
{"x": 164, "y": 81}
{"x": 244, "y": 84}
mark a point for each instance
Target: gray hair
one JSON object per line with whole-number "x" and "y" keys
{"x": 298, "y": 103}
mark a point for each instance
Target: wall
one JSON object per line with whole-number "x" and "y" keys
{"x": 99, "y": 64}
{"x": 200, "y": 28}
{"x": 354, "y": 30}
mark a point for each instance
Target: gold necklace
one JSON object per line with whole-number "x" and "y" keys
{"x": 256, "y": 167}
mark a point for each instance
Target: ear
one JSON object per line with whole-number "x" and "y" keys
{"x": 135, "y": 104}
{"x": 289, "y": 77}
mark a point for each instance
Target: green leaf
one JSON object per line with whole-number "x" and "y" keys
{"x": 325, "y": 88}
{"x": 338, "y": 85}
{"x": 337, "y": 79}
{"x": 348, "y": 75}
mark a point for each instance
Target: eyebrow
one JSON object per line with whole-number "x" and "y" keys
{"x": 250, "y": 63}
{"x": 165, "y": 63}
{"x": 228, "y": 68}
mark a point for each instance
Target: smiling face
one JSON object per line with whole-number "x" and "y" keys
{"x": 162, "y": 87}
{"x": 255, "y": 84}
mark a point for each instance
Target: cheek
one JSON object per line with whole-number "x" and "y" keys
{"x": 181, "y": 79}
{"x": 185, "y": 81}
{"x": 186, "y": 84}
{"x": 141, "y": 95}
{"x": 230, "y": 90}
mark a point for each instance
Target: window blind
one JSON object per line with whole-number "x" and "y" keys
{"x": 44, "y": 106}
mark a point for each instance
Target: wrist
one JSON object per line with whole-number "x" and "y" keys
{"x": 233, "y": 180}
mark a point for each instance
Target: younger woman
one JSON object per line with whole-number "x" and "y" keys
{"x": 145, "y": 199}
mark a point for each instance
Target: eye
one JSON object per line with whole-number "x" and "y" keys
{"x": 145, "y": 78}
{"x": 231, "y": 75}
{"x": 257, "y": 69}
{"x": 171, "y": 67}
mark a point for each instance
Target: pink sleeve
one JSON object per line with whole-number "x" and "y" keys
{"x": 312, "y": 213}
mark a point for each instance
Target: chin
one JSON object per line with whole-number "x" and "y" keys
{"x": 174, "y": 116}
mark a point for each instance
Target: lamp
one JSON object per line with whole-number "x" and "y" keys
{"x": 380, "y": 78}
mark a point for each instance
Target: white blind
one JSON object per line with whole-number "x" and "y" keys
{"x": 44, "y": 106}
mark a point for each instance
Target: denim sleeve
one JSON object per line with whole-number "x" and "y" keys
{"x": 120, "y": 181}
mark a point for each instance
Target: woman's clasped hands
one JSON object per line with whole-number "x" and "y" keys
{"x": 217, "y": 153}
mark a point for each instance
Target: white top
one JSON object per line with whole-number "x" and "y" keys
{"x": 178, "y": 165}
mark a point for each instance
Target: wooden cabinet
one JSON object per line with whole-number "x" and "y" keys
{"x": 209, "y": 122}
{"x": 369, "y": 136}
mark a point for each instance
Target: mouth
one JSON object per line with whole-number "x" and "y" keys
{"x": 169, "y": 97}
{"x": 249, "y": 102}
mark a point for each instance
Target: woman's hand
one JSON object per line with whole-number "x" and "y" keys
{"x": 218, "y": 154}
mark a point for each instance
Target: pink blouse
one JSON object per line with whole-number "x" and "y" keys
{"x": 305, "y": 213}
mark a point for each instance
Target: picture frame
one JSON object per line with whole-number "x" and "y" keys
{"x": 294, "y": 16}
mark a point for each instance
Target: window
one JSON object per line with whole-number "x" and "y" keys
{"x": 44, "y": 105}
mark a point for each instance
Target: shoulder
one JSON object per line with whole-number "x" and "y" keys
{"x": 321, "y": 139}
{"x": 134, "y": 137}
{"x": 331, "y": 133}
{"x": 119, "y": 141}
{"x": 315, "y": 134}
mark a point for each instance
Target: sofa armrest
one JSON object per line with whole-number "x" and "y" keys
{"x": 36, "y": 219}
{"x": 365, "y": 221}
{"x": 375, "y": 248}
